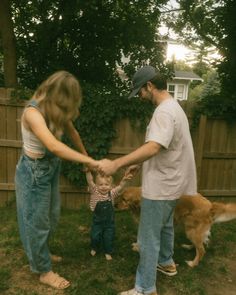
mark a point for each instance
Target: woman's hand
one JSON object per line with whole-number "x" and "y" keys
{"x": 107, "y": 167}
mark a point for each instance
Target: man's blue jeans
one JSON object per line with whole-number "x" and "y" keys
{"x": 38, "y": 207}
{"x": 155, "y": 240}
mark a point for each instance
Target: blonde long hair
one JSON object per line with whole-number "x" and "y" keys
{"x": 59, "y": 98}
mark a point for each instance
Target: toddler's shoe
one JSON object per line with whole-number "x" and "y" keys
{"x": 108, "y": 257}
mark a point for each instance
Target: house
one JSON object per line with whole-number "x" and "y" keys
{"x": 179, "y": 85}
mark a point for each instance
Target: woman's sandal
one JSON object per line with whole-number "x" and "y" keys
{"x": 53, "y": 280}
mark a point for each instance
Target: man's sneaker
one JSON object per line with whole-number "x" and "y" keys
{"x": 169, "y": 270}
{"x": 131, "y": 292}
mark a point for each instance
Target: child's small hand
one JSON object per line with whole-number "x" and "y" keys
{"x": 128, "y": 175}
{"x": 131, "y": 171}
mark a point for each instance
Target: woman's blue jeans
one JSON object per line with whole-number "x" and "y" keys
{"x": 155, "y": 240}
{"x": 38, "y": 207}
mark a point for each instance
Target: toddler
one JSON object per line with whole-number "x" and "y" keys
{"x": 101, "y": 203}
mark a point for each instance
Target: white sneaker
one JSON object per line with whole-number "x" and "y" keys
{"x": 93, "y": 252}
{"x": 108, "y": 257}
{"x": 169, "y": 270}
{"x": 131, "y": 292}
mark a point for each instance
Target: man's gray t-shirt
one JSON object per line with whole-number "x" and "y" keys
{"x": 172, "y": 172}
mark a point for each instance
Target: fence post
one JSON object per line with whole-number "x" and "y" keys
{"x": 200, "y": 146}
{"x": 5, "y": 93}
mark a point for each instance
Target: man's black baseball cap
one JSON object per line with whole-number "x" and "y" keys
{"x": 141, "y": 77}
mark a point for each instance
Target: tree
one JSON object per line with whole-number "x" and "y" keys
{"x": 209, "y": 87}
{"x": 87, "y": 38}
{"x": 8, "y": 44}
{"x": 212, "y": 23}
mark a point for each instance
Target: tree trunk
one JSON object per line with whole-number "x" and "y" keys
{"x": 8, "y": 44}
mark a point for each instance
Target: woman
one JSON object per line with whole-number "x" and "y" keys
{"x": 46, "y": 117}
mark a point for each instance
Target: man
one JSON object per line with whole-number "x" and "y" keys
{"x": 168, "y": 172}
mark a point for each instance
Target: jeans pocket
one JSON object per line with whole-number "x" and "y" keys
{"x": 42, "y": 172}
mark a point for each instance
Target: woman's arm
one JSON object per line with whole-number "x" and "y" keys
{"x": 37, "y": 124}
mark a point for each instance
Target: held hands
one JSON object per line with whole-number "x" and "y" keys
{"x": 107, "y": 167}
{"x": 92, "y": 166}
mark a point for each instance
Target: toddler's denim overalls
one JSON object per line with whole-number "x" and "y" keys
{"x": 103, "y": 227}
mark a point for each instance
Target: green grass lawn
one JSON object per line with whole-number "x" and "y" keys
{"x": 95, "y": 275}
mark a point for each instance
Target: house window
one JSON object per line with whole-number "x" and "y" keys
{"x": 171, "y": 89}
{"x": 180, "y": 92}
{"x": 177, "y": 91}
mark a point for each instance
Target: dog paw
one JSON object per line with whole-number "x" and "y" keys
{"x": 190, "y": 263}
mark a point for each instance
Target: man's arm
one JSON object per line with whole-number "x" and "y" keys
{"x": 140, "y": 155}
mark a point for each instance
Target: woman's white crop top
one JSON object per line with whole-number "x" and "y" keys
{"x": 31, "y": 143}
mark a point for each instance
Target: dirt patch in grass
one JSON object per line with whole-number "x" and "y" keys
{"x": 225, "y": 278}
{"x": 28, "y": 283}
{"x": 21, "y": 281}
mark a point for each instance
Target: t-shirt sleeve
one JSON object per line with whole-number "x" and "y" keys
{"x": 161, "y": 129}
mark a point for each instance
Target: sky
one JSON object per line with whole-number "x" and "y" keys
{"x": 182, "y": 52}
{"x": 177, "y": 50}
{"x": 174, "y": 49}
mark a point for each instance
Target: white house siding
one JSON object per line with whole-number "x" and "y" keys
{"x": 178, "y": 88}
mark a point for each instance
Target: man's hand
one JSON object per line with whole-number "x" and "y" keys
{"x": 107, "y": 167}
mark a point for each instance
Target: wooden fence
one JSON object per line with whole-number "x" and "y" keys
{"x": 214, "y": 143}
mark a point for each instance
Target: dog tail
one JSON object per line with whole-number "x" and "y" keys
{"x": 223, "y": 212}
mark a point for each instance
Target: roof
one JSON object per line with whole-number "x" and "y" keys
{"x": 185, "y": 75}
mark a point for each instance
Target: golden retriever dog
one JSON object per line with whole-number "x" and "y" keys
{"x": 196, "y": 213}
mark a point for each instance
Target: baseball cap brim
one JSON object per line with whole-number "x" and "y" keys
{"x": 134, "y": 92}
